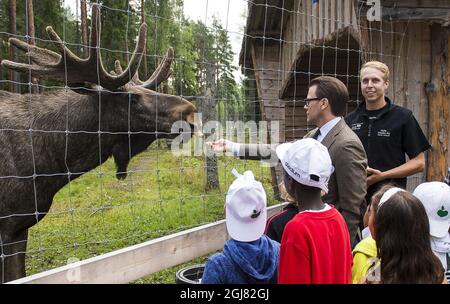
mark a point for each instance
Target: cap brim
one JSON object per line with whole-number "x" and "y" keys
{"x": 247, "y": 232}
{"x": 439, "y": 229}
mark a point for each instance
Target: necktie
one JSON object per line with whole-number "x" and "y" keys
{"x": 316, "y": 135}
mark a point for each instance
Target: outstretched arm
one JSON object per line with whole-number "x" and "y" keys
{"x": 244, "y": 151}
{"x": 413, "y": 166}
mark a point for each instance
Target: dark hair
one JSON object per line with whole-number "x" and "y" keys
{"x": 376, "y": 197}
{"x": 293, "y": 188}
{"x": 403, "y": 242}
{"x": 334, "y": 90}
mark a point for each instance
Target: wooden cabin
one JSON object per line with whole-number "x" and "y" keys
{"x": 289, "y": 42}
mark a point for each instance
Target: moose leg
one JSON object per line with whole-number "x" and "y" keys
{"x": 12, "y": 256}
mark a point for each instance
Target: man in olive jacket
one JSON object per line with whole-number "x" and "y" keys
{"x": 325, "y": 105}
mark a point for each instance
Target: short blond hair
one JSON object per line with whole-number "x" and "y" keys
{"x": 284, "y": 194}
{"x": 383, "y": 68}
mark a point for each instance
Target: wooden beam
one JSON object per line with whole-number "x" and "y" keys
{"x": 134, "y": 262}
{"x": 438, "y": 96}
{"x": 414, "y": 13}
{"x": 258, "y": 33}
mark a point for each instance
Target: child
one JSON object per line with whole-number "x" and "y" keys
{"x": 435, "y": 196}
{"x": 276, "y": 223}
{"x": 249, "y": 257}
{"x": 365, "y": 252}
{"x": 315, "y": 246}
{"x": 401, "y": 230}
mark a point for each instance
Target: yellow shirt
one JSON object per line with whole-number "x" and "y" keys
{"x": 363, "y": 258}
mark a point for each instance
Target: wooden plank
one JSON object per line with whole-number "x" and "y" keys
{"x": 320, "y": 6}
{"x": 347, "y": 14}
{"x": 438, "y": 96}
{"x": 304, "y": 28}
{"x": 326, "y": 16}
{"x": 354, "y": 16}
{"x": 339, "y": 15}
{"x": 425, "y": 75}
{"x": 309, "y": 27}
{"x": 414, "y": 86}
{"x": 448, "y": 83}
{"x": 416, "y": 14}
{"x": 416, "y": 3}
{"x": 364, "y": 41}
{"x": 399, "y": 62}
{"x": 315, "y": 20}
{"x": 423, "y": 46}
{"x": 387, "y": 47}
{"x": 332, "y": 16}
{"x": 291, "y": 135}
{"x": 297, "y": 110}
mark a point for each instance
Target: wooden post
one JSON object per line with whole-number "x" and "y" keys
{"x": 438, "y": 96}
{"x": 268, "y": 85}
{"x": 84, "y": 27}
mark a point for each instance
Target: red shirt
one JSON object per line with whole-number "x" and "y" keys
{"x": 315, "y": 249}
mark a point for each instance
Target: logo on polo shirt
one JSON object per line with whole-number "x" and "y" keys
{"x": 356, "y": 126}
{"x": 384, "y": 133}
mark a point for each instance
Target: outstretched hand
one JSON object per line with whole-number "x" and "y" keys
{"x": 221, "y": 145}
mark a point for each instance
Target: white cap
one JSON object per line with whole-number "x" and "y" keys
{"x": 435, "y": 197}
{"x": 307, "y": 161}
{"x": 245, "y": 208}
{"x": 388, "y": 194}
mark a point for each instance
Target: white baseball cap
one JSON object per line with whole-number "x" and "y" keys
{"x": 435, "y": 197}
{"x": 307, "y": 161}
{"x": 245, "y": 208}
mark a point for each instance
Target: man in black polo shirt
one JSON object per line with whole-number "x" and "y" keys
{"x": 387, "y": 131}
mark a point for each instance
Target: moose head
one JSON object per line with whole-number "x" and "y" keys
{"x": 48, "y": 140}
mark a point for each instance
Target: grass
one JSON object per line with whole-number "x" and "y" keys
{"x": 162, "y": 194}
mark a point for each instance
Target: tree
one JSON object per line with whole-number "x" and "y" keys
{"x": 145, "y": 48}
{"x": 31, "y": 39}
{"x": 119, "y": 29}
{"x": 212, "y": 175}
{"x": 228, "y": 91}
{"x": 13, "y": 76}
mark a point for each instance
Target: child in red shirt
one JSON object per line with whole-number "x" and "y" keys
{"x": 315, "y": 247}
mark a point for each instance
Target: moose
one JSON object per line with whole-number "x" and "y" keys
{"x": 47, "y": 140}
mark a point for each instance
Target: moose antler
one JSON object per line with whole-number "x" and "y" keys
{"x": 69, "y": 67}
{"x": 161, "y": 74}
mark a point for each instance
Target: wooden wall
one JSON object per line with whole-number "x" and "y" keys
{"x": 338, "y": 55}
{"x": 266, "y": 63}
{"x": 308, "y": 22}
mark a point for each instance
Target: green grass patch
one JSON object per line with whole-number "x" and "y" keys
{"x": 162, "y": 194}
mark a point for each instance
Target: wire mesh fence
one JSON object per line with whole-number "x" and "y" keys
{"x": 88, "y": 158}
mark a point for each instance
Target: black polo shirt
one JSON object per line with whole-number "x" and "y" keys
{"x": 387, "y": 135}
{"x": 275, "y": 224}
